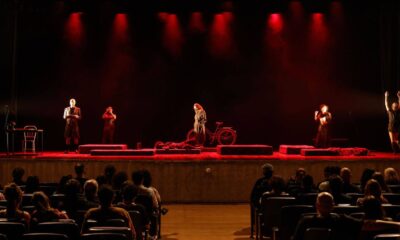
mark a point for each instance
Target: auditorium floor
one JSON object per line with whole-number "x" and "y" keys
{"x": 206, "y": 222}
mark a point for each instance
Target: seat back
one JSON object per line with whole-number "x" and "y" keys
{"x": 393, "y": 198}
{"x": 391, "y": 211}
{"x": 12, "y": 230}
{"x": 271, "y": 212}
{"x": 290, "y": 215}
{"x": 44, "y": 236}
{"x": 70, "y": 229}
{"x": 387, "y": 237}
{"x": 121, "y": 230}
{"x": 346, "y": 209}
{"x": 139, "y": 222}
{"x": 394, "y": 188}
{"x": 354, "y": 197}
{"x": 3, "y": 237}
{"x": 30, "y": 135}
{"x": 104, "y": 236}
{"x": 317, "y": 234}
{"x": 307, "y": 198}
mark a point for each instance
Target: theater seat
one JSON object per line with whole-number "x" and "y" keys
{"x": 317, "y": 234}
{"x": 44, "y": 236}
{"x": 290, "y": 215}
{"x": 104, "y": 236}
{"x": 3, "y": 237}
{"x": 387, "y": 237}
{"x": 70, "y": 229}
{"x": 12, "y": 230}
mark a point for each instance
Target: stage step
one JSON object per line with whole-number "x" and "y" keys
{"x": 125, "y": 152}
{"x": 87, "y": 148}
{"x": 178, "y": 151}
{"x": 319, "y": 152}
{"x": 293, "y": 149}
{"x": 244, "y": 150}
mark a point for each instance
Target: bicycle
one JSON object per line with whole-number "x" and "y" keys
{"x": 221, "y": 135}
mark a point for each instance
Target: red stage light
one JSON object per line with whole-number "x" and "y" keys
{"x": 172, "y": 34}
{"x": 221, "y": 40}
{"x": 74, "y": 28}
{"x": 120, "y": 27}
{"x": 275, "y": 22}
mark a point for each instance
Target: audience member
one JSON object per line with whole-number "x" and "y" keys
{"x": 348, "y": 186}
{"x": 101, "y": 180}
{"x": 343, "y": 227}
{"x": 117, "y": 182}
{"x": 138, "y": 179}
{"x": 277, "y": 187}
{"x": 391, "y": 176}
{"x": 336, "y": 186}
{"x": 109, "y": 172}
{"x": 90, "y": 189}
{"x": 62, "y": 184}
{"x": 129, "y": 193}
{"x": 79, "y": 174}
{"x": 372, "y": 189}
{"x": 295, "y": 182}
{"x": 74, "y": 200}
{"x": 261, "y": 185}
{"x": 32, "y": 184}
{"x": 329, "y": 171}
{"x": 106, "y": 211}
{"x": 365, "y": 177}
{"x": 380, "y": 179}
{"x": 13, "y": 196}
{"x": 43, "y": 211}
{"x": 147, "y": 182}
{"x": 307, "y": 185}
{"x": 17, "y": 175}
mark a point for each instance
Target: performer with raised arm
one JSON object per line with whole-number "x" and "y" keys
{"x": 323, "y": 117}
{"x": 394, "y": 121}
{"x": 200, "y": 119}
{"x": 72, "y": 115}
{"x": 109, "y": 125}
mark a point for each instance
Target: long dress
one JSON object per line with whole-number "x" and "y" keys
{"x": 322, "y": 140}
{"x": 71, "y": 123}
{"x": 109, "y": 128}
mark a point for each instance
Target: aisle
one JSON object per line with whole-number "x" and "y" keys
{"x": 206, "y": 222}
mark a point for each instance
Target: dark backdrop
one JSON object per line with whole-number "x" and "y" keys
{"x": 263, "y": 73}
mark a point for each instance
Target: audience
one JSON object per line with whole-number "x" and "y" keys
{"x": 13, "y": 195}
{"x": 329, "y": 171}
{"x": 106, "y": 211}
{"x": 117, "y": 183}
{"x": 391, "y": 176}
{"x": 380, "y": 179}
{"x": 43, "y": 212}
{"x": 365, "y": 177}
{"x": 277, "y": 187}
{"x": 109, "y": 172}
{"x": 74, "y": 200}
{"x": 129, "y": 193}
{"x": 90, "y": 189}
{"x": 372, "y": 189}
{"x": 295, "y": 182}
{"x": 336, "y": 186}
{"x": 32, "y": 184}
{"x": 348, "y": 186}
{"x": 138, "y": 179}
{"x": 147, "y": 182}
{"x": 262, "y": 185}
{"x": 79, "y": 174}
{"x": 17, "y": 175}
{"x": 62, "y": 184}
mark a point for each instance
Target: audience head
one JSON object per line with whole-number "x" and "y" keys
{"x": 380, "y": 179}
{"x": 72, "y": 188}
{"x": 331, "y": 171}
{"x": 17, "y": 175}
{"x": 373, "y": 188}
{"x": 335, "y": 185}
{"x": 300, "y": 173}
{"x": 137, "y": 177}
{"x": 63, "y": 183}
{"x": 277, "y": 184}
{"x": 268, "y": 170}
{"x": 13, "y": 195}
{"x": 32, "y": 184}
{"x": 373, "y": 208}
{"x": 324, "y": 204}
{"x": 90, "y": 188}
{"x": 40, "y": 201}
{"x": 118, "y": 179}
{"x": 106, "y": 196}
{"x": 79, "y": 169}
{"x": 391, "y": 176}
{"x": 345, "y": 174}
{"x": 366, "y": 175}
{"x": 129, "y": 192}
{"x": 147, "y": 180}
{"x": 109, "y": 171}
{"x": 308, "y": 182}
{"x": 101, "y": 180}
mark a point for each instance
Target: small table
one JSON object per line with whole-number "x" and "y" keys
{"x": 13, "y": 131}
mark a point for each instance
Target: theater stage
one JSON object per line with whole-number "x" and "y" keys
{"x": 188, "y": 178}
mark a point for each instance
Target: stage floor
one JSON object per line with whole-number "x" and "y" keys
{"x": 193, "y": 178}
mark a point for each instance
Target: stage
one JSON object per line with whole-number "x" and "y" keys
{"x": 192, "y": 178}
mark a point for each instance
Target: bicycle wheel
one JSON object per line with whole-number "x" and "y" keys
{"x": 226, "y": 136}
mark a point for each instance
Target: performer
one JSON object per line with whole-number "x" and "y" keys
{"x": 323, "y": 117}
{"x": 109, "y": 125}
{"x": 72, "y": 115}
{"x": 200, "y": 119}
{"x": 394, "y": 121}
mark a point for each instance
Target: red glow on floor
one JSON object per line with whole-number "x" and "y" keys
{"x": 172, "y": 34}
{"x": 275, "y": 22}
{"x": 74, "y": 28}
{"x": 221, "y": 39}
{"x": 120, "y": 27}
{"x": 196, "y": 22}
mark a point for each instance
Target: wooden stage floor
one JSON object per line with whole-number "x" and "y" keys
{"x": 193, "y": 178}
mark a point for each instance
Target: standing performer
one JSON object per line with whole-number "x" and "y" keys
{"x": 109, "y": 126}
{"x": 71, "y": 115}
{"x": 322, "y": 140}
{"x": 200, "y": 119}
{"x": 394, "y": 121}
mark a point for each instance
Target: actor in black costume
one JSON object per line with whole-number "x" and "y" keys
{"x": 200, "y": 119}
{"x": 394, "y": 121}
{"x": 109, "y": 125}
{"x": 323, "y": 117}
{"x": 72, "y": 115}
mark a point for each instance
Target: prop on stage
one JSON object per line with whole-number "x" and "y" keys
{"x": 244, "y": 150}
{"x": 125, "y": 152}
{"x": 87, "y": 148}
{"x": 293, "y": 149}
{"x": 335, "y": 152}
